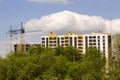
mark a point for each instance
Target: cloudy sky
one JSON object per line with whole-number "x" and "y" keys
{"x": 61, "y": 16}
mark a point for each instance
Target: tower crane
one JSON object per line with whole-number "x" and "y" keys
{"x": 20, "y": 31}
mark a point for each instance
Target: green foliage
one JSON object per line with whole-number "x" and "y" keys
{"x": 115, "y": 75}
{"x": 69, "y": 52}
{"x": 41, "y": 63}
{"x": 116, "y": 51}
{"x": 94, "y": 56}
{"x": 3, "y": 69}
{"x": 92, "y": 65}
{"x": 116, "y": 43}
{"x": 36, "y": 49}
{"x": 59, "y": 51}
{"x": 59, "y": 68}
{"x": 74, "y": 71}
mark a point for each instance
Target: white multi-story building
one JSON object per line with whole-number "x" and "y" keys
{"x": 102, "y": 41}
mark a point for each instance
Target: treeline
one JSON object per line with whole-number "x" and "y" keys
{"x": 41, "y": 63}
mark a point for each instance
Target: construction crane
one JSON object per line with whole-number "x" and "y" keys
{"x": 20, "y": 31}
{"x": 11, "y": 32}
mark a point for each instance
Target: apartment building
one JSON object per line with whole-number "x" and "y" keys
{"x": 101, "y": 41}
{"x": 24, "y": 47}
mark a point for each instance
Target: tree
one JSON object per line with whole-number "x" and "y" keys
{"x": 116, "y": 51}
{"x": 3, "y": 69}
{"x": 53, "y": 64}
{"x": 15, "y": 63}
{"x": 92, "y": 65}
{"x": 116, "y": 43}
{"x": 70, "y": 52}
{"x": 36, "y": 49}
{"x": 59, "y": 68}
{"x": 74, "y": 71}
{"x": 59, "y": 51}
{"x": 115, "y": 74}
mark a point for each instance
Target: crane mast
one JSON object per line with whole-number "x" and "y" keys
{"x": 20, "y": 31}
{"x": 11, "y": 35}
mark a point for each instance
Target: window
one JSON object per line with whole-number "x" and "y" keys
{"x": 103, "y": 50}
{"x": 15, "y": 46}
{"x": 98, "y": 40}
{"x": 80, "y": 47}
{"x": 43, "y": 41}
{"x": 79, "y": 37}
{"x": 103, "y": 47}
{"x": 58, "y": 41}
{"x": 98, "y": 44}
{"x": 70, "y": 41}
{"x": 86, "y": 42}
{"x": 90, "y": 44}
{"x": 94, "y": 36}
{"x": 54, "y": 41}
{"x": 50, "y": 42}
{"x": 75, "y": 40}
{"x": 66, "y": 44}
{"x": 90, "y": 40}
{"x": 62, "y": 38}
{"x": 94, "y": 43}
{"x": 43, "y": 38}
{"x": 66, "y": 37}
{"x": 103, "y": 44}
{"x": 90, "y": 37}
{"x": 62, "y": 44}
{"x": 80, "y": 44}
{"x": 103, "y": 40}
{"x": 50, "y": 38}
{"x": 109, "y": 41}
{"x": 94, "y": 40}
{"x": 46, "y": 41}
{"x": 66, "y": 40}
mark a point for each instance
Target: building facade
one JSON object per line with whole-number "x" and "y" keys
{"x": 24, "y": 47}
{"x": 101, "y": 41}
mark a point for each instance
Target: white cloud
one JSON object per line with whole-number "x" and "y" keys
{"x": 65, "y": 21}
{"x": 114, "y": 26}
{"x": 51, "y": 1}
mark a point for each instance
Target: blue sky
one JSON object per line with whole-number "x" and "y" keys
{"x": 12, "y": 12}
